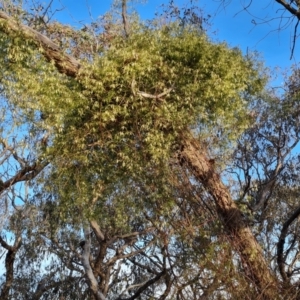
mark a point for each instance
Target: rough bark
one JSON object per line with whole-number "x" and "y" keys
{"x": 195, "y": 158}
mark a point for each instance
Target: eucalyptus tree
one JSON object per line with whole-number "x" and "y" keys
{"x": 267, "y": 168}
{"x": 121, "y": 111}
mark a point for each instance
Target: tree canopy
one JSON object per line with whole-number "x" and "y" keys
{"x": 143, "y": 160}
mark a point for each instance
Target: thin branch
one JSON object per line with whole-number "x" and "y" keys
{"x": 129, "y": 235}
{"x": 145, "y": 286}
{"x": 294, "y": 39}
{"x": 145, "y": 267}
{"x": 124, "y": 17}
{"x": 158, "y": 97}
{"x": 123, "y": 256}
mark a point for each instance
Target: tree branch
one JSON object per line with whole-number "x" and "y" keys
{"x": 145, "y": 286}
{"x": 281, "y": 242}
{"x": 288, "y": 7}
{"x": 64, "y": 63}
{"x": 27, "y": 173}
{"x": 99, "y": 234}
{"x": 87, "y": 267}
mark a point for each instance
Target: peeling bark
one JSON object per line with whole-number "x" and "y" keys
{"x": 195, "y": 158}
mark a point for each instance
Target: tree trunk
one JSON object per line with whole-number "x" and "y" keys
{"x": 194, "y": 157}
{"x": 9, "y": 265}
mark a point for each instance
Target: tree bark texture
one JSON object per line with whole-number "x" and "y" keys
{"x": 194, "y": 157}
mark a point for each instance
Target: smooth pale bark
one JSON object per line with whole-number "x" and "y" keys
{"x": 85, "y": 258}
{"x": 194, "y": 157}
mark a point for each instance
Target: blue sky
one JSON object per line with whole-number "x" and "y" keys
{"x": 230, "y": 23}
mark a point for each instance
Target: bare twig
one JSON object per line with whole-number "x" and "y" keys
{"x": 124, "y": 17}
{"x": 294, "y": 39}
